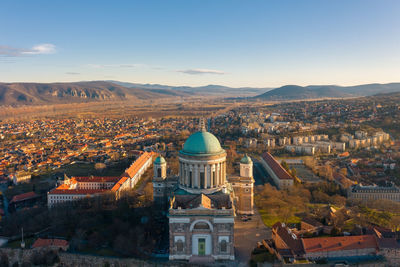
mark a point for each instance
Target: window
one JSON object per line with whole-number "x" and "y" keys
{"x": 159, "y": 172}
{"x": 223, "y": 246}
{"x": 179, "y": 246}
{"x": 214, "y": 179}
{"x": 202, "y": 226}
{"x": 190, "y": 178}
{"x": 202, "y": 184}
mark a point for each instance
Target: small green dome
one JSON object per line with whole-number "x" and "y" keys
{"x": 202, "y": 143}
{"x": 246, "y": 160}
{"x": 160, "y": 160}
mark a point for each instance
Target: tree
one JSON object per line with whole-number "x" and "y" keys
{"x": 395, "y": 223}
{"x": 4, "y": 260}
{"x": 293, "y": 172}
{"x": 285, "y": 165}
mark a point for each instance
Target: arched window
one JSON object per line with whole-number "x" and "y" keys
{"x": 223, "y": 246}
{"x": 201, "y": 226}
{"x": 159, "y": 172}
{"x": 179, "y": 246}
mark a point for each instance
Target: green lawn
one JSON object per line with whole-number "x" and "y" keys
{"x": 269, "y": 219}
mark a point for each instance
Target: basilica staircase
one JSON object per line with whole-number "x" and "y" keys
{"x": 195, "y": 259}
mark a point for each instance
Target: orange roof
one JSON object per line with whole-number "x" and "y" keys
{"x": 95, "y": 179}
{"x": 63, "y": 186}
{"x": 344, "y": 154}
{"x": 41, "y": 242}
{"x": 119, "y": 184}
{"x": 320, "y": 244}
{"x": 135, "y": 167}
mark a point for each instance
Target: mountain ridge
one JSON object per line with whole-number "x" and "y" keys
{"x": 296, "y": 92}
{"x": 94, "y": 91}
{"x": 74, "y": 92}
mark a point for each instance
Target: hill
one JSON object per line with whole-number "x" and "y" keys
{"x": 208, "y": 90}
{"x": 292, "y": 92}
{"x": 371, "y": 89}
{"x": 57, "y": 93}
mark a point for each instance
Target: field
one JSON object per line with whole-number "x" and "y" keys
{"x": 305, "y": 174}
{"x": 87, "y": 169}
{"x": 270, "y": 219}
{"x": 112, "y": 109}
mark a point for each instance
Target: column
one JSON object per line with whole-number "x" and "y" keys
{"x": 206, "y": 183}
{"x": 191, "y": 176}
{"x": 186, "y": 174}
{"x": 180, "y": 172}
{"x": 220, "y": 174}
{"x": 217, "y": 174}
{"x": 223, "y": 172}
{"x": 196, "y": 176}
{"x": 209, "y": 168}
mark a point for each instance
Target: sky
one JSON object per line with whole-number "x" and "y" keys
{"x": 198, "y": 42}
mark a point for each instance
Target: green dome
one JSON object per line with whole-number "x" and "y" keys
{"x": 202, "y": 143}
{"x": 246, "y": 160}
{"x": 159, "y": 160}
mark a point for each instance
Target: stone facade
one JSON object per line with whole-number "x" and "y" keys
{"x": 243, "y": 187}
{"x": 201, "y": 231}
{"x": 371, "y": 193}
{"x": 202, "y": 202}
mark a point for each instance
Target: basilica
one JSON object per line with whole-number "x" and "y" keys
{"x": 202, "y": 201}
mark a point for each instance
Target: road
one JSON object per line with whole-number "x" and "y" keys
{"x": 247, "y": 234}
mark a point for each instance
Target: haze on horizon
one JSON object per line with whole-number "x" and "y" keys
{"x": 232, "y": 43}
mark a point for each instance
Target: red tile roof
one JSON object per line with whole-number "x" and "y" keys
{"x": 23, "y": 197}
{"x": 320, "y": 244}
{"x": 293, "y": 243}
{"x": 95, "y": 179}
{"x": 119, "y": 184}
{"x": 277, "y": 168}
{"x": 135, "y": 167}
{"x": 41, "y": 242}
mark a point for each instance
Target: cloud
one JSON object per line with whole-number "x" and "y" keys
{"x": 40, "y": 49}
{"x": 72, "y": 73}
{"x": 9, "y": 51}
{"x": 201, "y": 71}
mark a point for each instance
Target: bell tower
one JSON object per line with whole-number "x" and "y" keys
{"x": 159, "y": 176}
{"x": 160, "y": 168}
{"x": 244, "y": 188}
{"x": 246, "y": 167}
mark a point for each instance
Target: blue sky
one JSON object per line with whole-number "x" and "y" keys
{"x": 235, "y": 43}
